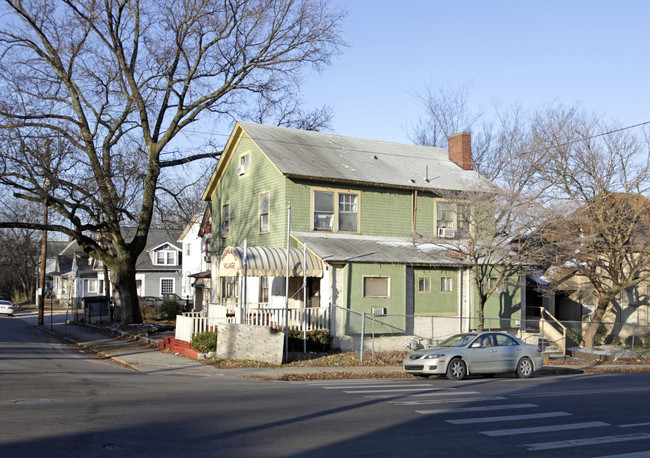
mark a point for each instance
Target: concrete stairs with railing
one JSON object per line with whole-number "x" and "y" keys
{"x": 550, "y": 351}
{"x": 179, "y": 346}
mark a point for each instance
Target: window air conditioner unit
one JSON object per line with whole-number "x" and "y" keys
{"x": 446, "y": 232}
{"x": 241, "y": 169}
{"x": 379, "y": 311}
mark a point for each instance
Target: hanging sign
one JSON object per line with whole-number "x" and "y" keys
{"x": 230, "y": 262}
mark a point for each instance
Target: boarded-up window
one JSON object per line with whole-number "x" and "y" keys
{"x": 376, "y": 286}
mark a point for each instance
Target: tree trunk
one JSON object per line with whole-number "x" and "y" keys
{"x": 127, "y": 294}
{"x": 481, "y": 312}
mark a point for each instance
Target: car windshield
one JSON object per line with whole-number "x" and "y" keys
{"x": 459, "y": 340}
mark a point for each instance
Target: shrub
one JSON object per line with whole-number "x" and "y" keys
{"x": 205, "y": 342}
{"x": 638, "y": 342}
{"x": 169, "y": 309}
{"x": 613, "y": 340}
{"x": 646, "y": 341}
{"x": 317, "y": 340}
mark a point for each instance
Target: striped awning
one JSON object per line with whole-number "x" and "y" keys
{"x": 268, "y": 261}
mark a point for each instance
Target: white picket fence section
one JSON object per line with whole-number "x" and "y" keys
{"x": 191, "y": 323}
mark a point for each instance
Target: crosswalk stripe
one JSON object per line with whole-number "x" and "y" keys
{"x": 642, "y": 454}
{"x": 447, "y": 400}
{"x": 544, "y": 429}
{"x": 532, "y": 416}
{"x": 347, "y": 387}
{"x": 478, "y": 409}
{"x": 422, "y": 395}
{"x": 587, "y": 441}
{"x": 392, "y": 390}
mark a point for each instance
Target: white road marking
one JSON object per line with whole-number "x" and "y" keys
{"x": 392, "y": 390}
{"x": 532, "y": 416}
{"x": 442, "y": 401}
{"x": 587, "y": 441}
{"x": 348, "y": 387}
{"x": 424, "y": 395}
{"x": 633, "y": 425}
{"x": 478, "y": 409}
{"x": 544, "y": 429}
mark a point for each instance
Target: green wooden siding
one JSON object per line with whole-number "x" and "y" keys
{"x": 242, "y": 192}
{"x": 395, "y": 304}
{"x": 502, "y": 308}
{"x": 435, "y": 302}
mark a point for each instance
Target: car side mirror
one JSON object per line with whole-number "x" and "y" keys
{"x": 475, "y": 345}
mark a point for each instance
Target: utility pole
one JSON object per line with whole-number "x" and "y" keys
{"x": 41, "y": 298}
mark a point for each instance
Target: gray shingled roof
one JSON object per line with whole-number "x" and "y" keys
{"x": 333, "y": 247}
{"x": 317, "y": 155}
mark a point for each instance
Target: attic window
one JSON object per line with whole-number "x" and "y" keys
{"x": 166, "y": 258}
{"x": 244, "y": 161}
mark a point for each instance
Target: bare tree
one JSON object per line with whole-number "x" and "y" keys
{"x": 113, "y": 84}
{"x": 447, "y": 111}
{"x": 602, "y": 174}
{"x": 19, "y": 252}
{"x": 493, "y": 226}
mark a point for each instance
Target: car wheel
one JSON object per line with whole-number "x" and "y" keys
{"x": 524, "y": 368}
{"x": 456, "y": 369}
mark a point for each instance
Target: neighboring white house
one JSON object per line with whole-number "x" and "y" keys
{"x": 195, "y": 245}
{"x": 193, "y": 259}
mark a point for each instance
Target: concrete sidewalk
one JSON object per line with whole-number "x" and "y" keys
{"x": 142, "y": 354}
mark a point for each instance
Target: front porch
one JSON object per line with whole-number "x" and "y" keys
{"x": 307, "y": 318}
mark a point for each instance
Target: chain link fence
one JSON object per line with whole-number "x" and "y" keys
{"x": 368, "y": 333}
{"x": 376, "y": 332}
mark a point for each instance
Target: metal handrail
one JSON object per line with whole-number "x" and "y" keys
{"x": 561, "y": 344}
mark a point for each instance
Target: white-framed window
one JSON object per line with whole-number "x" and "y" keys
{"x": 335, "y": 211}
{"x": 500, "y": 288}
{"x": 424, "y": 284}
{"x": 228, "y": 287}
{"x": 167, "y": 286}
{"x": 166, "y": 258}
{"x": 264, "y": 289}
{"x": 188, "y": 249}
{"x": 378, "y": 287}
{"x": 453, "y": 219}
{"x": 446, "y": 284}
{"x": 243, "y": 167}
{"x": 92, "y": 286}
{"x": 264, "y": 211}
{"x": 225, "y": 220}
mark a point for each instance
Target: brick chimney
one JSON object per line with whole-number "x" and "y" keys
{"x": 460, "y": 149}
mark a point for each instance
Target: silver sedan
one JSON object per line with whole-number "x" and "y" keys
{"x": 484, "y": 353}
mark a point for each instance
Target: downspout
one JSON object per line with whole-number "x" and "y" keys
{"x": 415, "y": 212}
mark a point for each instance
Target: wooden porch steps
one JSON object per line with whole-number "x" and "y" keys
{"x": 179, "y": 346}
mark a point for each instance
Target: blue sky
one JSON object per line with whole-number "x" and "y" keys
{"x": 596, "y": 53}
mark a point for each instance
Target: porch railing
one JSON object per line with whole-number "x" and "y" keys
{"x": 309, "y": 319}
{"x": 552, "y": 330}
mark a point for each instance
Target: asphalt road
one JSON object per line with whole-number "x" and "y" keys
{"x": 57, "y": 401}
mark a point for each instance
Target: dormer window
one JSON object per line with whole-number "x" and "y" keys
{"x": 166, "y": 258}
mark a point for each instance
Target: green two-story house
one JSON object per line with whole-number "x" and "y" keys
{"x": 368, "y": 219}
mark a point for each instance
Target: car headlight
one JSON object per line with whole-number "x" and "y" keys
{"x": 434, "y": 356}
